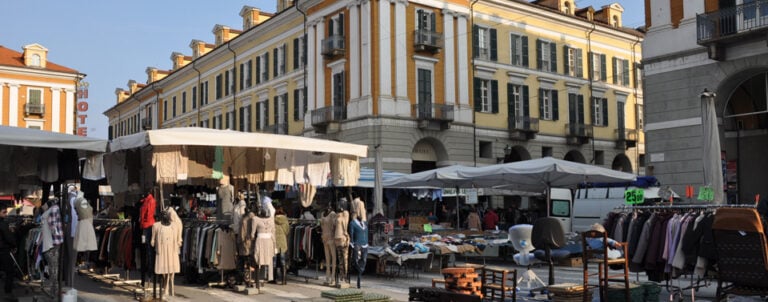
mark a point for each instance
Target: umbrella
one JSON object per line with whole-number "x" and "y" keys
{"x": 445, "y": 177}
{"x": 713, "y": 170}
{"x": 541, "y": 175}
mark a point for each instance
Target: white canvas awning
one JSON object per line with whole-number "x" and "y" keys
{"x": 25, "y": 137}
{"x": 194, "y": 136}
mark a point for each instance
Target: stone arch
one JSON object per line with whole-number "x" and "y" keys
{"x": 518, "y": 153}
{"x": 575, "y": 156}
{"x": 426, "y": 154}
{"x": 622, "y": 163}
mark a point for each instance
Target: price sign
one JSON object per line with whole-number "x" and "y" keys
{"x": 634, "y": 196}
{"x": 706, "y": 194}
{"x": 428, "y": 228}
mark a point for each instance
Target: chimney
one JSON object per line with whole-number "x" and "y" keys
{"x": 179, "y": 60}
{"x": 154, "y": 74}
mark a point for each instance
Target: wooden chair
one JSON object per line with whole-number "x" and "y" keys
{"x": 600, "y": 257}
{"x": 742, "y": 253}
{"x": 499, "y": 282}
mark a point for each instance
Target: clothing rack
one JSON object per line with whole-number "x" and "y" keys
{"x": 696, "y": 282}
{"x": 294, "y": 221}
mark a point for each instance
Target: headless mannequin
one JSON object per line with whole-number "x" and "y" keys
{"x": 341, "y": 239}
{"x": 358, "y": 208}
{"x": 328, "y": 225}
{"x": 166, "y": 279}
{"x": 225, "y": 194}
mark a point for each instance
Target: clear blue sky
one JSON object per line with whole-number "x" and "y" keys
{"x": 113, "y": 42}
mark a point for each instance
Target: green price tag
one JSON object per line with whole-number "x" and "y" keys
{"x": 428, "y": 227}
{"x": 706, "y": 194}
{"x": 121, "y": 215}
{"x": 634, "y": 196}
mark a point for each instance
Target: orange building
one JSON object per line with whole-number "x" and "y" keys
{"x": 37, "y": 93}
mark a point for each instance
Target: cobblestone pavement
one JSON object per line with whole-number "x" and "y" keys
{"x": 311, "y": 286}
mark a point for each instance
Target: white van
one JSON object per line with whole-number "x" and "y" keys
{"x": 592, "y": 205}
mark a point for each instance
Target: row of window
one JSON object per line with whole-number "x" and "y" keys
{"x": 280, "y": 111}
{"x": 225, "y": 83}
{"x": 518, "y": 96}
{"x": 485, "y": 47}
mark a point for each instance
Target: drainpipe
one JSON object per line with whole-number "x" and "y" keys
{"x": 634, "y": 92}
{"x": 234, "y": 80}
{"x": 157, "y": 98}
{"x": 591, "y": 81}
{"x": 200, "y": 101}
{"x": 472, "y": 80}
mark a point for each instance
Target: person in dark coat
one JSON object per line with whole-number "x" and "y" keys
{"x": 7, "y": 246}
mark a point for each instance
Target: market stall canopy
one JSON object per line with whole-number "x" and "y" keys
{"x": 195, "y": 136}
{"x": 541, "y": 174}
{"x": 25, "y": 137}
{"x": 445, "y": 177}
{"x": 368, "y": 175}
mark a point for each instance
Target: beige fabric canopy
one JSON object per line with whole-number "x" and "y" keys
{"x": 195, "y": 136}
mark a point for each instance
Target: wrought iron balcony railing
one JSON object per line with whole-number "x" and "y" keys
{"x": 425, "y": 39}
{"x": 578, "y": 130}
{"x": 429, "y": 111}
{"x": 329, "y": 114}
{"x": 523, "y": 123}
{"x": 333, "y": 45}
{"x": 732, "y": 21}
{"x": 32, "y": 108}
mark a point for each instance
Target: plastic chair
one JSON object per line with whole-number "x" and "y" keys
{"x": 600, "y": 256}
{"x": 520, "y": 237}
{"x": 548, "y": 234}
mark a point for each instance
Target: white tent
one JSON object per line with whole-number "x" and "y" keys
{"x": 194, "y": 136}
{"x": 445, "y": 177}
{"x": 25, "y": 137}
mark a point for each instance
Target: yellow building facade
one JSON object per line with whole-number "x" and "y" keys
{"x": 423, "y": 83}
{"x": 37, "y": 93}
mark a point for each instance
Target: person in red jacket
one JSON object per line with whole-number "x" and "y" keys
{"x": 146, "y": 220}
{"x": 490, "y": 219}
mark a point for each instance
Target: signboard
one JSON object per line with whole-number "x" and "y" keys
{"x": 82, "y": 108}
{"x": 471, "y": 196}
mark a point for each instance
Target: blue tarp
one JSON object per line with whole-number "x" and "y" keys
{"x": 641, "y": 182}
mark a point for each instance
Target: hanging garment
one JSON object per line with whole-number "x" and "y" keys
{"x": 270, "y": 161}
{"x": 307, "y": 194}
{"x": 247, "y": 231}
{"x": 254, "y": 159}
{"x": 225, "y": 194}
{"x": 284, "y": 165}
{"x": 358, "y": 209}
{"x": 345, "y": 170}
{"x": 85, "y": 236}
{"x": 167, "y": 245}
{"x": 300, "y": 161}
{"x": 225, "y": 253}
{"x": 319, "y": 169}
{"x": 218, "y": 163}
{"x": 94, "y": 167}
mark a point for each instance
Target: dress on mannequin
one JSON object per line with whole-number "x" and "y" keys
{"x": 85, "y": 236}
{"x": 166, "y": 240}
{"x": 264, "y": 249}
{"x": 225, "y": 194}
{"x": 328, "y": 225}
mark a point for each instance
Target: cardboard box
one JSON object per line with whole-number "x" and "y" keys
{"x": 572, "y": 262}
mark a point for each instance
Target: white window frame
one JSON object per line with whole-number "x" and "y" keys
{"x": 484, "y": 42}
{"x": 337, "y": 30}
{"x": 572, "y": 52}
{"x": 301, "y": 102}
{"x": 639, "y": 116}
{"x": 597, "y": 66}
{"x": 426, "y": 63}
{"x": 263, "y": 115}
{"x": 517, "y": 99}
{"x": 247, "y": 66}
{"x": 36, "y": 60}
{"x": 485, "y": 95}
{"x": 597, "y": 111}
{"x": 545, "y": 52}
{"x": 264, "y": 76}
{"x": 620, "y": 71}
{"x": 546, "y": 99}
{"x": 302, "y": 53}
{"x": 427, "y": 23}
{"x": 42, "y": 95}
{"x": 517, "y": 40}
